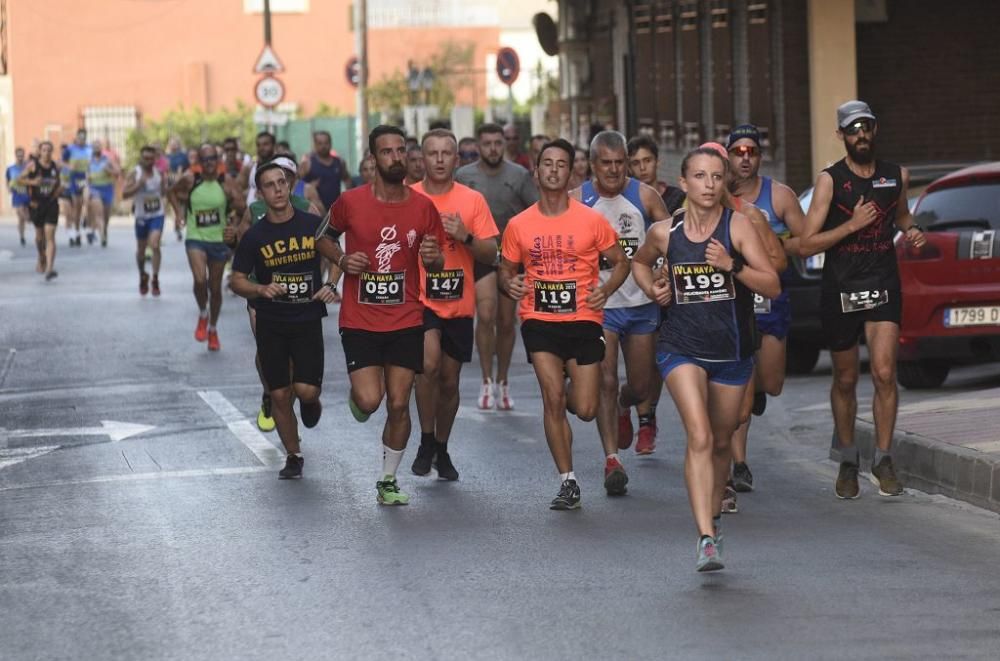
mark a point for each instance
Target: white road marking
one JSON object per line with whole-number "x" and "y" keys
{"x": 117, "y": 431}
{"x": 136, "y": 477}
{"x": 243, "y": 429}
{"x": 12, "y": 456}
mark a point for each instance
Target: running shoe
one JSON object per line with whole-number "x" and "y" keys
{"x": 568, "y": 498}
{"x": 91, "y": 237}
{"x": 24, "y": 244}
{"x": 717, "y": 525}
{"x": 264, "y": 420}
{"x": 445, "y": 469}
{"x": 486, "y": 398}
{"x": 389, "y": 493}
{"x": 709, "y": 558}
{"x": 742, "y": 478}
{"x": 505, "y": 402}
{"x": 625, "y": 429}
{"x": 847, "y": 481}
{"x": 425, "y": 457}
{"x": 645, "y": 443}
{"x": 729, "y": 505}
{"x": 292, "y": 469}
{"x": 759, "y": 403}
{"x": 143, "y": 284}
{"x": 615, "y": 477}
{"x": 213, "y": 341}
{"x": 310, "y": 413}
{"x": 51, "y": 275}
{"x": 201, "y": 330}
{"x": 156, "y": 286}
{"x": 358, "y": 414}
{"x": 884, "y": 477}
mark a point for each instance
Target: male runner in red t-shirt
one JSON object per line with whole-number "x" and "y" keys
{"x": 389, "y": 231}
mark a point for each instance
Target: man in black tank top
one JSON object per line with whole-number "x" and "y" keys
{"x": 41, "y": 177}
{"x": 858, "y": 205}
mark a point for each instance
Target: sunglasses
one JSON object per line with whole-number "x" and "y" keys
{"x": 854, "y": 128}
{"x": 468, "y": 154}
{"x": 745, "y": 150}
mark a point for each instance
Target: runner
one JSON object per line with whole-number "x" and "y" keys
{"x": 78, "y": 155}
{"x": 414, "y": 165}
{"x": 148, "y": 186}
{"x": 858, "y": 204}
{"x": 559, "y": 242}
{"x": 705, "y": 350}
{"x": 209, "y": 200}
{"x": 783, "y": 213}
{"x": 41, "y": 177}
{"x": 66, "y": 196}
{"x": 512, "y": 147}
{"x": 265, "y": 144}
{"x": 101, "y": 175}
{"x": 324, "y": 167}
{"x": 448, "y": 299}
{"x": 290, "y": 302}
{"x": 19, "y": 197}
{"x": 509, "y": 189}
{"x": 535, "y": 148}
{"x": 630, "y": 317}
{"x": 581, "y": 168}
{"x": 388, "y": 230}
{"x": 468, "y": 151}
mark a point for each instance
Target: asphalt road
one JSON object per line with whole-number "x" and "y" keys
{"x": 176, "y": 541}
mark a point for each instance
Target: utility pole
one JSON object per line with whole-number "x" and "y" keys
{"x": 361, "y": 46}
{"x": 267, "y": 22}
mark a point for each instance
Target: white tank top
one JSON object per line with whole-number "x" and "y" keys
{"x": 252, "y": 185}
{"x": 148, "y": 201}
{"x": 628, "y": 221}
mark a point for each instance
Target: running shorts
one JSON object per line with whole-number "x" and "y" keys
{"x": 402, "y": 348}
{"x": 457, "y": 335}
{"x": 105, "y": 193}
{"x": 216, "y": 252}
{"x": 727, "y": 372}
{"x": 143, "y": 226}
{"x": 300, "y": 342}
{"x": 582, "y": 341}
{"x": 638, "y": 320}
{"x": 843, "y": 329}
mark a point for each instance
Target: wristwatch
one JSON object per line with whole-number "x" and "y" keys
{"x": 738, "y": 264}
{"x": 469, "y": 239}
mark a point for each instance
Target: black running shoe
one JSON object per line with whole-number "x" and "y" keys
{"x": 759, "y": 403}
{"x": 292, "y": 469}
{"x": 445, "y": 469}
{"x": 425, "y": 457}
{"x": 310, "y": 413}
{"x": 742, "y": 478}
{"x": 568, "y": 498}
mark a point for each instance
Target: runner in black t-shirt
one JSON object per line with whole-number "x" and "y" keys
{"x": 290, "y": 299}
{"x": 858, "y": 205}
{"x": 41, "y": 176}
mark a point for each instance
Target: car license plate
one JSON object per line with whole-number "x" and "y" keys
{"x": 815, "y": 263}
{"x": 984, "y": 315}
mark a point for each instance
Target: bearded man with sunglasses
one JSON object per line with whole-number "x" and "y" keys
{"x": 858, "y": 205}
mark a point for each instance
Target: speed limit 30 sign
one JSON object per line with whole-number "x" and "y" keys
{"x": 269, "y": 91}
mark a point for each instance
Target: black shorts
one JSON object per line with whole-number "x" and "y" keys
{"x": 299, "y": 342}
{"x": 480, "y": 270}
{"x": 582, "y": 341}
{"x": 843, "y": 329}
{"x": 402, "y": 348}
{"x": 44, "y": 215}
{"x": 457, "y": 334}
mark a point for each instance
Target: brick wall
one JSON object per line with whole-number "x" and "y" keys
{"x": 932, "y": 76}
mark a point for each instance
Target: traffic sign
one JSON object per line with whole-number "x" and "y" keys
{"x": 353, "y": 71}
{"x": 268, "y": 62}
{"x": 269, "y": 91}
{"x": 508, "y": 65}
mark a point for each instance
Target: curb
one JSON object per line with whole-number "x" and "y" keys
{"x": 934, "y": 467}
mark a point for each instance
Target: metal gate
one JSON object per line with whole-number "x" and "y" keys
{"x": 111, "y": 123}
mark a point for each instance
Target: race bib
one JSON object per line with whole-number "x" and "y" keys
{"x": 555, "y": 296}
{"x": 445, "y": 285}
{"x": 761, "y": 304}
{"x": 298, "y": 286}
{"x": 629, "y": 244}
{"x": 697, "y": 282}
{"x": 207, "y": 218}
{"x": 46, "y": 188}
{"x": 382, "y": 288}
{"x": 151, "y": 204}
{"x": 868, "y": 299}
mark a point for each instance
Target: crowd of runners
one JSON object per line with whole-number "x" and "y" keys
{"x": 442, "y": 245}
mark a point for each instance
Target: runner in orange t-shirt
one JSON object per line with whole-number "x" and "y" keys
{"x": 448, "y": 296}
{"x": 559, "y": 242}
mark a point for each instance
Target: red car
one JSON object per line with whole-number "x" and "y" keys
{"x": 951, "y": 286}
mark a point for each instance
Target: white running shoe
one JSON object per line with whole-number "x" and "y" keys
{"x": 505, "y": 403}
{"x": 486, "y": 396}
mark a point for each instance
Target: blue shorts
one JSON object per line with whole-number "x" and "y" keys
{"x": 18, "y": 200}
{"x": 776, "y": 322}
{"x": 105, "y": 193}
{"x": 727, "y": 372}
{"x": 77, "y": 181}
{"x": 143, "y": 226}
{"x": 640, "y": 320}
{"x": 216, "y": 252}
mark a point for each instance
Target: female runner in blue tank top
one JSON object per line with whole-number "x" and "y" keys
{"x": 714, "y": 261}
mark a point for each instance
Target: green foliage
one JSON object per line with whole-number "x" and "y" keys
{"x": 193, "y": 127}
{"x": 324, "y": 109}
{"x": 451, "y": 65}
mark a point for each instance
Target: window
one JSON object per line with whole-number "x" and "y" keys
{"x": 978, "y": 205}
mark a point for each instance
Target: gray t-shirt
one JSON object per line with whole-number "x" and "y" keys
{"x": 508, "y": 193}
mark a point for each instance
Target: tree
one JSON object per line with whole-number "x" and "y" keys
{"x": 452, "y": 67}
{"x": 193, "y": 127}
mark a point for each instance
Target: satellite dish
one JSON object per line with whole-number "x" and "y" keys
{"x": 548, "y": 33}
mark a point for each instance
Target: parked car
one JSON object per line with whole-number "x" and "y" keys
{"x": 951, "y": 286}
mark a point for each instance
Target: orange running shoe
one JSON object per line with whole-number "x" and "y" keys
{"x": 213, "y": 341}
{"x": 625, "y": 429}
{"x": 201, "y": 330}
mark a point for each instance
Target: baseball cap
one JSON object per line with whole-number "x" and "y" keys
{"x": 743, "y": 131}
{"x": 853, "y": 111}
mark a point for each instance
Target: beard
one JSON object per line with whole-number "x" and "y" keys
{"x": 861, "y": 157}
{"x": 394, "y": 174}
{"x": 491, "y": 162}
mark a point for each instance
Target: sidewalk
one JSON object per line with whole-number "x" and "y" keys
{"x": 948, "y": 445}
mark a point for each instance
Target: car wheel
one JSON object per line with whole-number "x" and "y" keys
{"x": 918, "y": 374}
{"x": 801, "y": 357}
